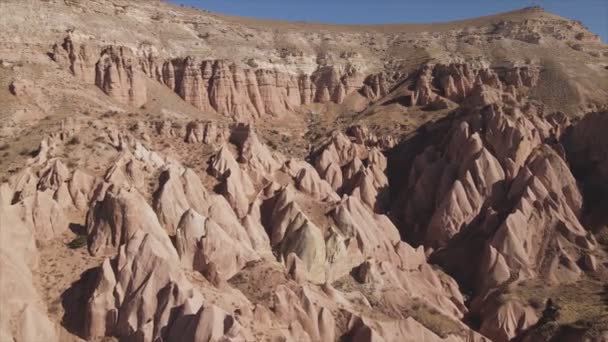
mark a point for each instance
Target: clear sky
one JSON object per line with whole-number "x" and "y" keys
{"x": 593, "y": 13}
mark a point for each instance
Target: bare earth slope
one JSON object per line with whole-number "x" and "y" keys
{"x": 170, "y": 174}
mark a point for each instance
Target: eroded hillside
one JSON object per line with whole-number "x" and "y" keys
{"x": 170, "y": 174}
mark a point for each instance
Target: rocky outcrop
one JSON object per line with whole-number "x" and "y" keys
{"x": 369, "y": 186}
{"x": 201, "y": 242}
{"x": 179, "y": 190}
{"x": 41, "y": 201}
{"x": 434, "y": 87}
{"x": 210, "y": 323}
{"x": 363, "y": 136}
{"x": 45, "y": 214}
{"x": 309, "y": 182}
{"x": 536, "y": 30}
{"x": 469, "y": 173}
{"x": 126, "y": 171}
{"x": 338, "y": 152}
{"x": 291, "y": 231}
{"x": 375, "y": 235}
{"x": 208, "y": 133}
{"x": 375, "y": 86}
{"x": 116, "y": 73}
{"x": 548, "y": 201}
{"x": 423, "y": 93}
{"x": 23, "y": 316}
{"x": 258, "y": 159}
{"x": 46, "y": 195}
{"x": 222, "y": 86}
{"x": 305, "y": 314}
{"x": 81, "y": 188}
{"x": 585, "y": 145}
{"x": 502, "y": 200}
{"x": 225, "y": 87}
{"x": 113, "y": 69}
{"x": 502, "y": 322}
{"x": 140, "y": 293}
{"x": 236, "y": 185}
{"x": 506, "y": 192}
{"x": 353, "y": 164}
{"x": 78, "y": 58}
{"x": 116, "y": 215}
{"x": 53, "y": 176}
{"x": 210, "y": 85}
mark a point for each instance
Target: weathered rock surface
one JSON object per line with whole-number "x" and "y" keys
{"x": 210, "y": 85}
{"x": 362, "y": 329}
{"x": 178, "y": 191}
{"x": 113, "y": 69}
{"x": 205, "y": 132}
{"x": 504, "y": 322}
{"x": 585, "y": 145}
{"x": 505, "y": 191}
{"x": 291, "y": 231}
{"x": 135, "y": 294}
{"x": 201, "y": 242}
{"x": 117, "y": 215}
{"x": 23, "y": 316}
{"x": 245, "y": 180}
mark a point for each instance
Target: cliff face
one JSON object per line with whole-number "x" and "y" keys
{"x": 209, "y": 85}
{"x": 173, "y": 174}
{"x": 115, "y": 70}
{"x": 222, "y": 86}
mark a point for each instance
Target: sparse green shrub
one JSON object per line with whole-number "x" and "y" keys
{"x": 78, "y": 242}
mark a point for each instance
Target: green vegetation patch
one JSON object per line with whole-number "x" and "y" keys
{"x": 78, "y": 242}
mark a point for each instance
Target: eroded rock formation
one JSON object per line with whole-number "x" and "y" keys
{"x": 313, "y": 183}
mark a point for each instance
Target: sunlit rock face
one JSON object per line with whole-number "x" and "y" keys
{"x": 170, "y": 174}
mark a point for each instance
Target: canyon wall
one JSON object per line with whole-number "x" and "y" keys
{"x": 210, "y": 85}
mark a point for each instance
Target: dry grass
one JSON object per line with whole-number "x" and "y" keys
{"x": 415, "y": 308}
{"x": 434, "y": 320}
{"x": 581, "y": 305}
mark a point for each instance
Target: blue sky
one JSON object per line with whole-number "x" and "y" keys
{"x": 593, "y": 13}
